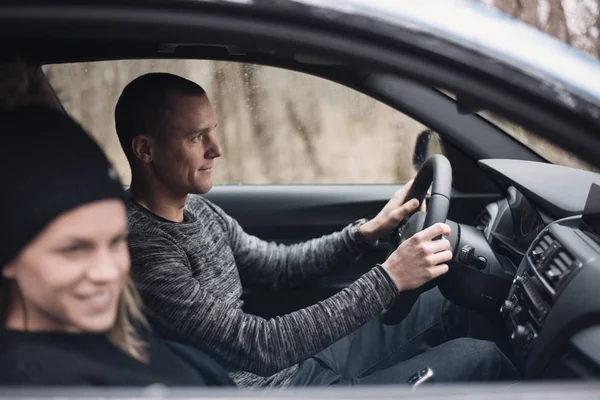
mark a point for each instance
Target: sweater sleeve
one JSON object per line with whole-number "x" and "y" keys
{"x": 181, "y": 309}
{"x": 278, "y": 266}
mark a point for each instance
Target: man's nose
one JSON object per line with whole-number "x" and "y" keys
{"x": 104, "y": 267}
{"x": 213, "y": 149}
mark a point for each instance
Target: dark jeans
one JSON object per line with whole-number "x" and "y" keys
{"x": 458, "y": 344}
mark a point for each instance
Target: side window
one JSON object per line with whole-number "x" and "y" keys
{"x": 275, "y": 126}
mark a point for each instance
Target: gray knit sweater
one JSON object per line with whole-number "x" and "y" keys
{"x": 190, "y": 276}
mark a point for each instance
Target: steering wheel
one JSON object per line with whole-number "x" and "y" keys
{"x": 437, "y": 173}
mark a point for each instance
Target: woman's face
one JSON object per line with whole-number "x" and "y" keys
{"x": 71, "y": 276}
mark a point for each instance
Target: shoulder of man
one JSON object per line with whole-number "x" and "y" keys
{"x": 146, "y": 234}
{"x": 203, "y": 208}
{"x": 199, "y": 203}
{"x": 140, "y": 223}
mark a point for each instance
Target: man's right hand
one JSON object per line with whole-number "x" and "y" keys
{"x": 420, "y": 259}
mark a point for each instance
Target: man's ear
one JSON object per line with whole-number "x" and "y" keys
{"x": 142, "y": 146}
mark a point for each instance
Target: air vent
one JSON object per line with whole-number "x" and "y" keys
{"x": 546, "y": 242}
{"x": 484, "y": 221}
{"x": 544, "y": 247}
{"x": 557, "y": 268}
{"x": 552, "y": 261}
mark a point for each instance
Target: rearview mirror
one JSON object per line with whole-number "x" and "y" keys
{"x": 421, "y": 146}
{"x": 428, "y": 143}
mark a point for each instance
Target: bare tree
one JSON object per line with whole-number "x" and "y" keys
{"x": 597, "y": 32}
{"x": 525, "y": 10}
{"x": 557, "y": 21}
{"x": 576, "y": 22}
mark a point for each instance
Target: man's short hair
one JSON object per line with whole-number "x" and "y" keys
{"x": 146, "y": 104}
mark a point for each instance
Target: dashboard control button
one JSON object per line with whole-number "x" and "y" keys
{"x": 520, "y": 333}
{"x": 553, "y": 274}
{"x": 480, "y": 262}
{"x": 518, "y": 281}
{"x": 529, "y": 336}
{"x": 536, "y": 284}
{"x": 507, "y": 307}
{"x": 466, "y": 254}
{"x": 537, "y": 253}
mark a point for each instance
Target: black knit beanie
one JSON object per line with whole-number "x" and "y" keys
{"x": 48, "y": 166}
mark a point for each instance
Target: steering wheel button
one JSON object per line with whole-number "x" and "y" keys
{"x": 480, "y": 262}
{"x": 467, "y": 254}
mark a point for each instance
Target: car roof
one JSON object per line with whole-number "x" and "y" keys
{"x": 455, "y": 29}
{"x": 482, "y": 29}
{"x": 521, "y": 73}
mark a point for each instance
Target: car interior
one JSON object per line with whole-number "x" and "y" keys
{"x": 526, "y": 231}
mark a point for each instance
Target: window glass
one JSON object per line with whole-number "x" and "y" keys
{"x": 275, "y": 126}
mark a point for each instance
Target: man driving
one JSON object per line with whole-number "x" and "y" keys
{"x": 190, "y": 261}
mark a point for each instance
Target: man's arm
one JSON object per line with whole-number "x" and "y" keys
{"x": 183, "y": 310}
{"x": 277, "y": 266}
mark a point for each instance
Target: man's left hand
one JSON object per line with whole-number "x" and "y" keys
{"x": 391, "y": 215}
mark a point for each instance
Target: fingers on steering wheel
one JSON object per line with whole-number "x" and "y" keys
{"x": 441, "y": 257}
{"x": 436, "y": 246}
{"x": 438, "y": 270}
{"x": 433, "y": 231}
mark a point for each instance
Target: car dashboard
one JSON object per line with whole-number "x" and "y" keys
{"x": 551, "y": 245}
{"x": 510, "y": 226}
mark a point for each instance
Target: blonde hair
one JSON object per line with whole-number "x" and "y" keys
{"x": 125, "y": 333}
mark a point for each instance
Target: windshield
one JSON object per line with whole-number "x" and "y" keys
{"x": 538, "y": 144}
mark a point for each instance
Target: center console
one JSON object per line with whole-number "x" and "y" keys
{"x": 547, "y": 268}
{"x": 552, "y": 296}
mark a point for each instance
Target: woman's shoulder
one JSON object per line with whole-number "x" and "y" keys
{"x": 25, "y": 362}
{"x": 28, "y": 358}
{"x": 31, "y": 359}
{"x": 25, "y": 346}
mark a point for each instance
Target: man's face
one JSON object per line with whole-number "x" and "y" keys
{"x": 184, "y": 157}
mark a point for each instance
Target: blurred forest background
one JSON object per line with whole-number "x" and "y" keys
{"x": 278, "y": 126}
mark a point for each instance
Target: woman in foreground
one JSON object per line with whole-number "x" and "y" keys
{"x": 69, "y": 314}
